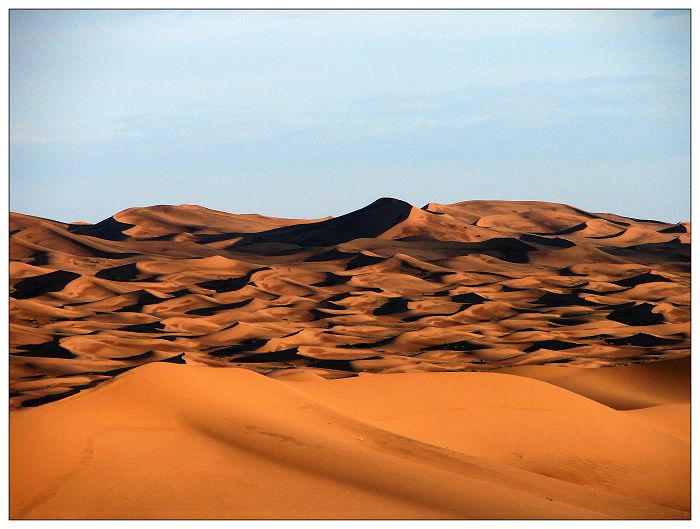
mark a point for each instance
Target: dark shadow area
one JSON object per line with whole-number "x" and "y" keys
{"x": 647, "y": 277}
{"x": 363, "y": 260}
{"x": 678, "y": 228}
{"x": 462, "y": 345}
{"x": 30, "y": 287}
{"x": 556, "y": 242}
{"x": 251, "y": 344}
{"x": 33, "y": 403}
{"x": 332, "y": 280}
{"x": 52, "y": 349}
{"x": 552, "y": 299}
{"x": 552, "y": 345}
{"x": 127, "y": 272}
{"x": 393, "y": 306}
{"x": 109, "y": 229}
{"x": 370, "y": 221}
{"x": 565, "y": 231}
{"x": 659, "y": 252}
{"x": 636, "y": 315}
{"x": 231, "y": 284}
{"x": 472, "y": 298}
{"x": 285, "y": 355}
{"x": 135, "y": 358}
{"x": 368, "y": 345}
{"x": 642, "y": 339}
{"x": 144, "y": 298}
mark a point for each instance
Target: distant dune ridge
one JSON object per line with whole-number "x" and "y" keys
{"x": 484, "y": 359}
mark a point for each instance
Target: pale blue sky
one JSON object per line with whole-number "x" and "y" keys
{"x": 314, "y": 113}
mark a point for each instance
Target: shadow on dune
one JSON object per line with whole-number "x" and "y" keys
{"x": 285, "y": 355}
{"x": 144, "y": 298}
{"x": 642, "y": 339}
{"x": 33, "y": 403}
{"x": 636, "y": 315}
{"x": 52, "y": 349}
{"x": 565, "y": 231}
{"x": 368, "y": 345}
{"x": 39, "y": 258}
{"x": 647, "y": 277}
{"x": 557, "y": 242}
{"x": 231, "y": 284}
{"x": 650, "y": 253}
{"x": 553, "y": 299}
{"x": 134, "y": 358}
{"x": 362, "y": 260}
{"x": 552, "y": 345}
{"x": 127, "y": 272}
{"x": 109, "y": 229}
{"x": 678, "y": 228}
{"x": 330, "y": 255}
{"x": 37, "y": 285}
{"x": 461, "y": 345}
{"x": 370, "y": 221}
{"x": 506, "y": 248}
{"x": 332, "y": 280}
{"x": 251, "y": 344}
{"x": 393, "y": 306}
{"x": 471, "y": 298}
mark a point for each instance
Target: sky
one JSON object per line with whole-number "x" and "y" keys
{"x": 305, "y": 114}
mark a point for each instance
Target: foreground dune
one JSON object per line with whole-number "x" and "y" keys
{"x": 169, "y": 441}
{"x": 485, "y": 359}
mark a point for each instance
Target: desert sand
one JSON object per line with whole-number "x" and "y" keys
{"x": 478, "y": 360}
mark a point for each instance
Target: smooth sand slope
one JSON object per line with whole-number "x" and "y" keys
{"x": 486, "y": 359}
{"x": 169, "y": 441}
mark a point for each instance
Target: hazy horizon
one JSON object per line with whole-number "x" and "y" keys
{"x": 306, "y": 114}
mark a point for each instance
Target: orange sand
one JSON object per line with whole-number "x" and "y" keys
{"x": 485, "y": 359}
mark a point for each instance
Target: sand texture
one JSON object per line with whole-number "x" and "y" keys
{"x": 479, "y": 360}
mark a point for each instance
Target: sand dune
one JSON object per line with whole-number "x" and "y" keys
{"x": 485, "y": 359}
{"x": 435, "y": 445}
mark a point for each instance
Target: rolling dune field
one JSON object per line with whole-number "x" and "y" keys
{"x": 478, "y": 360}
